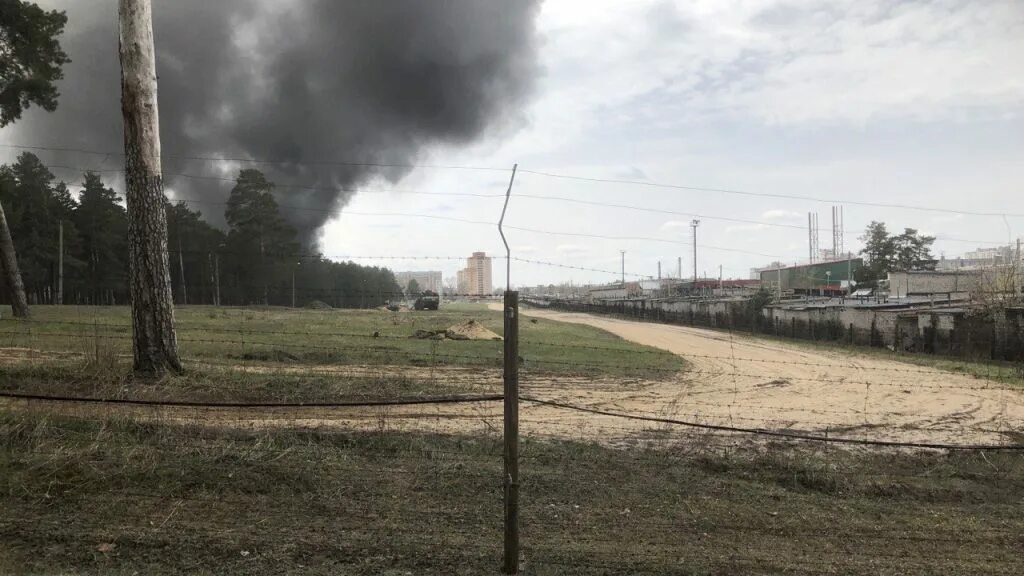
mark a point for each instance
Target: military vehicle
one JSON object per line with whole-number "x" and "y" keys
{"x": 427, "y": 301}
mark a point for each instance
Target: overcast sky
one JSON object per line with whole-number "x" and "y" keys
{"x": 911, "y": 103}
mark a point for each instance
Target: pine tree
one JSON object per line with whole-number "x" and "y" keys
{"x": 102, "y": 224}
{"x": 30, "y": 63}
{"x": 259, "y": 236}
{"x": 30, "y": 58}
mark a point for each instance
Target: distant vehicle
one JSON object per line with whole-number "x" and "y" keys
{"x": 427, "y": 301}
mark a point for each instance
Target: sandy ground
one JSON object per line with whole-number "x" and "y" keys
{"x": 752, "y": 382}
{"x": 735, "y": 380}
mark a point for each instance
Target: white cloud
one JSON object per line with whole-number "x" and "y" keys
{"x": 745, "y": 227}
{"x": 779, "y": 214}
{"x": 673, "y": 225}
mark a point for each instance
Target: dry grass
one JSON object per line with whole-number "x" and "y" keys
{"x": 117, "y": 497}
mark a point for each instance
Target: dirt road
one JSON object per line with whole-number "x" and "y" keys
{"x": 753, "y": 382}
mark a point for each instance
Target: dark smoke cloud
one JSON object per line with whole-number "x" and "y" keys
{"x": 374, "y": 81}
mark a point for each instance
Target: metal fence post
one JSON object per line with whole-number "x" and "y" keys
{"x": 511, "y": 432}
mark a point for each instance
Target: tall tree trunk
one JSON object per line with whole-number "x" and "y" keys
{"x": 9, "y": 266}
{"x": 155, "y": 343}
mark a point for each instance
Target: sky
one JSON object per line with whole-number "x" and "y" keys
{"x": 734, "y": 103}
{"x": 911, "y": 103}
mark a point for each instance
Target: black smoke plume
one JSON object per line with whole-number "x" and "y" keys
{"x": 301, "y": 81}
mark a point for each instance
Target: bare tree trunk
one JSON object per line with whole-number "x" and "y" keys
{"x": 9, "y": 265}
{"x": 155, "y": 343}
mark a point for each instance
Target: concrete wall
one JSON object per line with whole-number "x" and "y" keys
{"x": 951, "y": 332}
{"x": 902, "y": 284}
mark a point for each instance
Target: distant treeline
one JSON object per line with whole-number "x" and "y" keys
{"x": 254, "y": 262}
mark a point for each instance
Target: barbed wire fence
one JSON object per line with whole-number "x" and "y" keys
{"x": 273, "y": 386}
{"x": 285, "y": 371}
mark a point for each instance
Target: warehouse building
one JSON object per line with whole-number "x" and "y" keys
{"x": 831, "y": 277}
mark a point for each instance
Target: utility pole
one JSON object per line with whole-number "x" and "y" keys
{"x": 213, "y": 278}
{"x": 1015, "y": 270}
{"x": 294, "y": 268}
{"x": 216, "y": 274}
{"x": 623, "y": 268}
{"x": 810, "y": 238}
{"x": 155, "y": 345}
{"x": 60, "y": 262}
{"x": 680, "y": 265}
{"x": 779, "y": 287}
{"x": 181, "y": 270}
{"x": 719, "y": 276}
{"x": 9, "y": 264}
{"x": 693, "y": 224}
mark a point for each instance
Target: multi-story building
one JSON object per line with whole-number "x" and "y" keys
{"x": 429, "y": 280}
{"x": 984, "y": 258}
{"x": 475, "y": 278}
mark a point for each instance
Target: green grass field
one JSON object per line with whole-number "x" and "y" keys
{"x": 120, "y": 498}
{"x": 87, "y": 349}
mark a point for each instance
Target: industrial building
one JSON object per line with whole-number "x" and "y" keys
{"x": 429, "y": 280}
{"x": 934, "y": 282}
{"x": 821, "y": 278}
{"x": 475, "y": 278}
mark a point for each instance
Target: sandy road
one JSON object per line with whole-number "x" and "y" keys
{"x": 752, "y": 382}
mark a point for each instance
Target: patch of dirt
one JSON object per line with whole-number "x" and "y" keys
{"x": 470, "y": 330}
{"x": 15, "y": 354}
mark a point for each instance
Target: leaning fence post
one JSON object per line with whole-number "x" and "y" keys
{"x": 511, "y": 432}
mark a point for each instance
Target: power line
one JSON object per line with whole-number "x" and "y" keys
{"x": 519, "y": 228}
{"x": 548, "y": 175}
{"x": 710, "y": 217}
{"x": 266, "y": 161}
{"x": 770, "y": 195}
{"x": 490, "y": 196}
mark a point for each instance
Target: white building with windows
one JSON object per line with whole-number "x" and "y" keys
{"x": 475, "y": 278}
{"x": 428, "y": 280}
